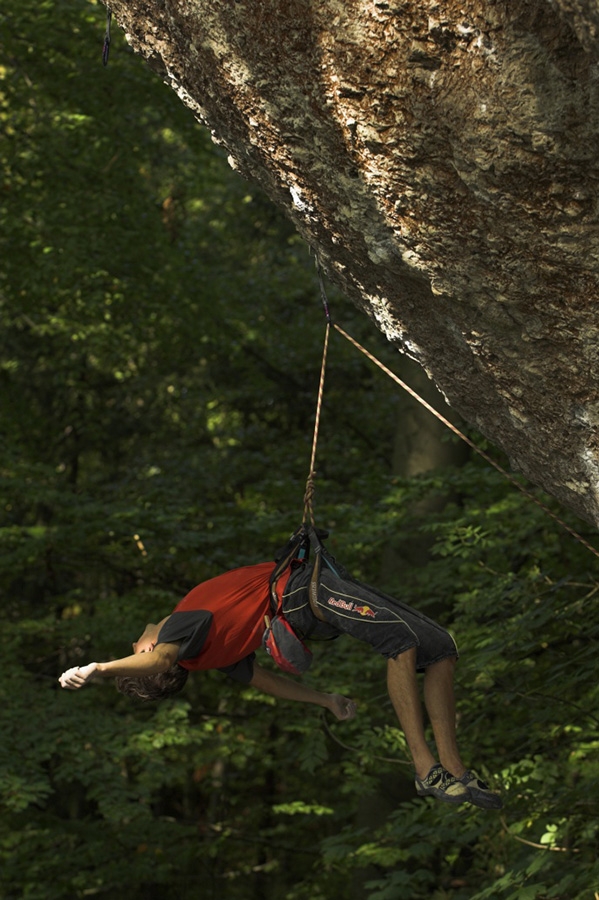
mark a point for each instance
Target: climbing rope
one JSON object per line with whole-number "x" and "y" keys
{"x": 309, "y": 492}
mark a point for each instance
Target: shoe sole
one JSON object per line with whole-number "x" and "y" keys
{"x": 483, "y": 801}
{"x": 443, "y": 796}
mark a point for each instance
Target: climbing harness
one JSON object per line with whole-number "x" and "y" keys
{"x": 280, "y": 640}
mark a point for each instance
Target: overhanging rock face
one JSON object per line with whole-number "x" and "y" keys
{"x": 443, "y": 160}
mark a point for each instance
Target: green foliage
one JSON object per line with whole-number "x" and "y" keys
{"x": 159, "y": 359}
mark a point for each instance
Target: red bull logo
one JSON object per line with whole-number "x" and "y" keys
{"x": 365, "y": 611}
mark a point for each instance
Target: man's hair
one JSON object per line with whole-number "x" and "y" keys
{"x": 154, "y": 687}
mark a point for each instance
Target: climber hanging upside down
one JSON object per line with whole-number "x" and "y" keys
{"x": 221, "y": 623}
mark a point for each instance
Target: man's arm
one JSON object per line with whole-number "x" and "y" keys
{"x": 286, "y": 689}
{"x": 162, "y": 657}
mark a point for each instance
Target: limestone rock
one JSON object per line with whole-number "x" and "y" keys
{"x": 442, "y": 159}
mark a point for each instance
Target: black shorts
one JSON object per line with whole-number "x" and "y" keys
{"x": 351, "y": 607}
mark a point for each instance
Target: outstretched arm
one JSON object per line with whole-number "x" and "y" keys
{"x": 286, "y": 689}
{"x": 162, "y": 657}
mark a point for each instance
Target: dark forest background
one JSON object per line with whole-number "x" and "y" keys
{"x": 160, "y": 343}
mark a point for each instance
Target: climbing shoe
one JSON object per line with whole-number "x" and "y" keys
{"x": 443, "y": 785}
{"x": 479, "y": 793}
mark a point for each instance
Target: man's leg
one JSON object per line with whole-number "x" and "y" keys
{"x": 439, "y": 700}
{"x": 386, "y": 624}
{"x": 403, "y": 691}
{"x": 440, "y": 704}
{"x": 431, "y": 778}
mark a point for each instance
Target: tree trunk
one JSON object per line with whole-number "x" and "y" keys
{"x": 419, "y": 447}
{"x": 442, "y": 160}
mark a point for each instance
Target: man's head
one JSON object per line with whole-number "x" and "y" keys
{"x": 161, "y": 684}
{"x": 154, "y": 687}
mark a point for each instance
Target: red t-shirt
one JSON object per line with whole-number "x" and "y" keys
{"x": 235, "y": 604}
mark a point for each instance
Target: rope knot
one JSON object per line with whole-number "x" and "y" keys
{"x": 309, "y": 497}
